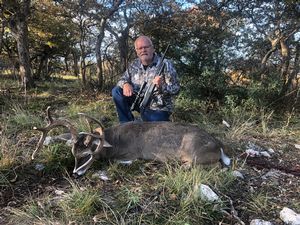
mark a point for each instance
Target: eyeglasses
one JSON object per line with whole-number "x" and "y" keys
{"x": 143, "y": 47}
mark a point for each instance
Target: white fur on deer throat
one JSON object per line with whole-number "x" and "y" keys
{"x": 224, "y": 158}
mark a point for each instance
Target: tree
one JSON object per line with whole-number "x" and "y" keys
{"x": 120, "y": 29}
{"x": 275, "y": 24}
{"x": 107, "y": 12}
{"x": 53, "y": 38}
{"x": 17, "y": 13}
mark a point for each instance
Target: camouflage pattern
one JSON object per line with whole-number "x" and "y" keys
{"x": 162, "y": 98}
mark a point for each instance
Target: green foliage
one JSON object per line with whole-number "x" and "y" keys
{"x": 20, "y": 119}
{"x": 80, "y": 204}
{"x": 205, "y": 86}
{"x": 180, "y": 185}
{"x": 77, "y": 205}
{"x": 56, "y": 158}
{"x": 8, "y": 153}
{"x": 189, "y": 110}
{"x": 259, "y": 202}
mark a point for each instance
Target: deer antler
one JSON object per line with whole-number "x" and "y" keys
{"x": 93, "y": 119}
{"x": 98, "y": 130}
{"x": 52, "y": 124}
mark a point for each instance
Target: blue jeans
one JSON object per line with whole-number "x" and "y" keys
{"x": 123, "y": 104}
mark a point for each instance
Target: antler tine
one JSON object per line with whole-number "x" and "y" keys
{"x": 91, "y": 134}
{"x": 100, "y": 145}
{"x": 96, "y": 121}
{"x": 52, "y": 124}
{"x": 48, "y": 115}
{"x": 98, "y": 130}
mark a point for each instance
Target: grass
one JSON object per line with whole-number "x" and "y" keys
{"x": 259, "y": 203}
{"x": 76, "y": 205}
{"x": 142, "y": 193}
{"x": 135, "y": 202}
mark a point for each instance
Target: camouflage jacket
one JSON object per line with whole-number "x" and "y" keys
{"x": 162, "y": 98}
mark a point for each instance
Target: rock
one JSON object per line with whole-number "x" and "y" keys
{"x": 289, "y": 217}
{"x": 252, "y": 152}
{"x": 238, "y": 174}
{"x": 265, "y": 154}
{"x": 256, "y": 151}
{"x": 226, "y": 123}
{"x": 272, "y": 174}
{"x": 102, "y": 175}
{"x": 48, "y": 140}
{"x": 260, "y": 222}
{"x": 59, "y": 192}
{"x": 254, "y": 147}
{"x": 39, "y": 166}
{"x": 206, "y": 193}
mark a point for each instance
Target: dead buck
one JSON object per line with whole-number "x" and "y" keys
{"x": 138, "y": 140}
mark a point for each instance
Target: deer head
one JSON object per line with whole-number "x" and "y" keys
{"x": 85, "y": 145}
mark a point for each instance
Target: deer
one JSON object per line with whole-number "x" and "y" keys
{"x": 156, "y": 141}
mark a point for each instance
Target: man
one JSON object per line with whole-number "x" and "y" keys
{"x": 142, "y": 69}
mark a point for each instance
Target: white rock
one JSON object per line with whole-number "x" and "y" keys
{"x": 289, "y": 217}
{"x": 225, "y": 123}
{"x": 265, "y": 154}
{"x": 39, "y": 166}
{"x": 272, "y": 174}
{"x": 271, "y": 151}
{"x": 238, "y": 174}
{"x": 59, "y": 192}
{"x": 252, "y": 152}
{"x": 69, "y": 143}
{"x": 102, "y": 175}
{"x": 254, "y": 147}
{"x": 206, "y": 193}
{"x": 297, "y": 146}
{"x": 260, "y": 222}
{"x": 48, "y": 140}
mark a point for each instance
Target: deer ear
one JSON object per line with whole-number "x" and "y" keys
{"x": 107, "y": 145}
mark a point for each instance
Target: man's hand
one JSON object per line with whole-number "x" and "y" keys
{"x": 158, "y": 80}
{"x": 127, "y": 89}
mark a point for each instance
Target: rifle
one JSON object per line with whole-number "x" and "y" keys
{"x": 143, "y": 98}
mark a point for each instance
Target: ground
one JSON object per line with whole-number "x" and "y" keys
{"x": 272, "y": 183}
{"x": 268, "y": 183}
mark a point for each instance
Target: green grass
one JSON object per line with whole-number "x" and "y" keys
{"x": 78, "y": 204}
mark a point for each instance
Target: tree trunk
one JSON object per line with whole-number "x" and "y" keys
{"x": 100, "y": 36}
{"x": 66, "y": 63}
{"x": 23, "y": 53}
{"x": 19, "y": 27}
{"x": 285, "y": 52}
{"x": 75, "y": 66}
{"x": 1, "y": 35}
{"x": 292, "y": 83}
{"x": 99, "y": 58}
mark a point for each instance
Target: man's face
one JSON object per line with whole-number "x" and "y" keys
{"x": 144, "y": 51}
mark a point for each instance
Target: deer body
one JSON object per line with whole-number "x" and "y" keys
{"x": 161, "y": 141}
{"x": 158, "y": 141}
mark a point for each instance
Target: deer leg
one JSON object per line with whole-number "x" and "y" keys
{"x": 185, "y": 154}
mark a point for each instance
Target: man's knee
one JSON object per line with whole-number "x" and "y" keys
{"x": 117, "y": 92}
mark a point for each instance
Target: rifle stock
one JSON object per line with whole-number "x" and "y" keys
{"x": 143, "y": 99}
